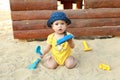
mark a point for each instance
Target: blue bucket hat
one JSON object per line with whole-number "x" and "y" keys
{"x": 58, "y": 16}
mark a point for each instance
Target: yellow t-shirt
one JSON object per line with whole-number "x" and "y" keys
{"x": 59, "y": 52}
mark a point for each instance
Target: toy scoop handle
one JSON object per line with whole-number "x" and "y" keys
{"x": 65, "y": 38}
{"x": 38, "y": 50}
{"x": 33, "y": 65}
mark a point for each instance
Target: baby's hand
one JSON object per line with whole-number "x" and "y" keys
{"x": 69, "y": 41}
{"x": 41, "y": 56}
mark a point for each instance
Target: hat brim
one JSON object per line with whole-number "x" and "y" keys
{"x": 50, "y": 21}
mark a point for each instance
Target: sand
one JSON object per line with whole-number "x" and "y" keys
{"x": 16, "y": 55}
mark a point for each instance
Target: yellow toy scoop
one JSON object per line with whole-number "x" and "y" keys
{"x": 86, "y": 47}
{"x": 104, "y": 67}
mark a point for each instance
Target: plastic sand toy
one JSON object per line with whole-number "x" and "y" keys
{"x": 86, "y": 47}
{"x": 104, "y": 67}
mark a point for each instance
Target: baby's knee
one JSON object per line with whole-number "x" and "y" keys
{"x": 70, "y": 65}
{"x": 70, "y": 62}
{"x": 51, "y": 64}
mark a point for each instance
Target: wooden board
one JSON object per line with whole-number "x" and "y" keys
{"x": 32, "y": 34}
{"x": 101, "y": 4}
{"x": 72, "y": 14}
{"x": 40, "y": 24}
{"x": 96, "y": 31}
{"x": 23, "y": 5}
{"x": 29, "y": 24}
{"x": 78, "y": 32}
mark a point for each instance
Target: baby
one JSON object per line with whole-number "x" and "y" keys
{"x": 61, "y": 54}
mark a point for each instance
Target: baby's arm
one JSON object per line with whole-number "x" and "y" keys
{"x": 47, "y": 49}
{"x": 71, "y": 43}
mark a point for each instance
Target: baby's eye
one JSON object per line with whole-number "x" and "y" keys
{"x": 56, "y": 23}
{"x": 62, "y": 23}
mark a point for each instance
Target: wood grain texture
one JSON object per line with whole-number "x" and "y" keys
{"x": 32, "y": 34}
{"x": 102, "y": 4}
{"x": 72, "y": 14}
{"x": 80, "y": 23}
{"x": 23, "y": 5}
{"x": 78, "y": 32}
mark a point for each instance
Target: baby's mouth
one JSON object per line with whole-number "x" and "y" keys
{"x": 59, "y": 29}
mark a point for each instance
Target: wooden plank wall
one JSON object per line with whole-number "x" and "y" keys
{"x": 32, "y": 24}
{"x": 23, "y": 10}
{"x": 102, "y": 4}
{"x": 24, "y": 5}
{"x": 110, "y": 6}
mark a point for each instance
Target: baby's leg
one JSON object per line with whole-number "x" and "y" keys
{"x": 70, "y": 62}
{"x": 51, "y": 63}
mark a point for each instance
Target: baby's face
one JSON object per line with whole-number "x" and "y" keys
{"x": 59, "y": 26}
